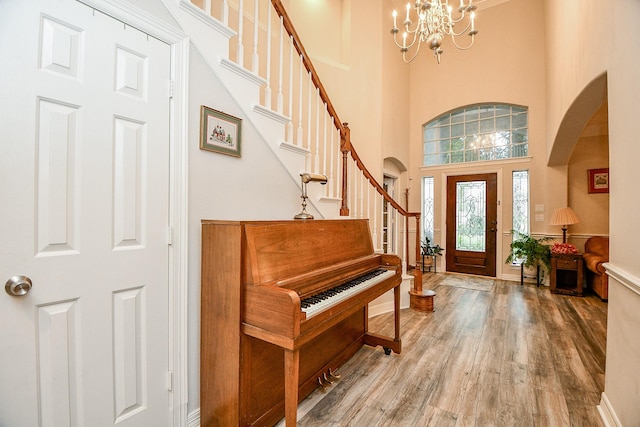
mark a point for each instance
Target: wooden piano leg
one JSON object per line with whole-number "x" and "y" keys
{"x": 387, "y": 342}
{"x": 396, "y": 311}
{"x": 291, "y": 376}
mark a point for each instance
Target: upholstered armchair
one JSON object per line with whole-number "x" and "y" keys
{"x": 596, "y": 252}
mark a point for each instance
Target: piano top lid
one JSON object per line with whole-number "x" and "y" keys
{"x": 281, "y": 249}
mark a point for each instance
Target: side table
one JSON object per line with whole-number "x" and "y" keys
{"x": 566, "y": 274}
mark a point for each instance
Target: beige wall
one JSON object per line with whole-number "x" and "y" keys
{"x": 578, "y": 54}
{"x": 590, "y": 152}
{"x": 366, "y": 87}
{"x": 506, "y": 65}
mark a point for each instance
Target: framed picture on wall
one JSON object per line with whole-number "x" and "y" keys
{"x": 598, "y": 180}
{"x": 220, "y": 132}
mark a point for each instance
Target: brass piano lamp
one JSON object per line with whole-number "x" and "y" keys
{"x": 305, "y": 178}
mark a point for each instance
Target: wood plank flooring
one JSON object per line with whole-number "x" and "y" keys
{"x": 493, "y": 353}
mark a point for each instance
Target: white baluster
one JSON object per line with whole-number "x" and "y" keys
{"x": 316, "y": 164}
{"x": 309, "y": 112}
{"x": 290, "y": 124}
{"x": 225, "y": 12}
{"x": 355, "y": 182}
{"x": 255, "y": 59}
{"x": 240, "y": 59}
{"x": 363, "y": 213}
{"x": 324, "y": 145}
{"x": 368, "y": 205}
{"x": 280, "y": 100}
{"x": 333, "y": 132}
{"x": 207, "y": 6}
{"x": 375, "y": 220}
{"x": 267, "y": 89}
{"x": 299, "y": 136}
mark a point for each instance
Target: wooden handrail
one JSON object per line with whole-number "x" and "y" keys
{"x": 277, "y": 4}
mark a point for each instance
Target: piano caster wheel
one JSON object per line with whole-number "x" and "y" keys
{"x": 387, "y": 350}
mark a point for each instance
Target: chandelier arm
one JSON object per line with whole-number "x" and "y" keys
{"x": 404, "y": 54}
{"x": 464, "y": 30}
{"x": 395, "y": 40}
{"x": 453, "y": 39}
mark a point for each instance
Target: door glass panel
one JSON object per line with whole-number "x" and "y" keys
{"x": 471, "y": 216}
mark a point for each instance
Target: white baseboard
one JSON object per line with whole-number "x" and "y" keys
{"x": 607, "y": 413}
{"x": 193, "y": 420}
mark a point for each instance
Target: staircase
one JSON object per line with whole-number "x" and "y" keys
{"x": 253, "y": 48}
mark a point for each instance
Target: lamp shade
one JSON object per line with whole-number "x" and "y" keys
{"x": 564, "y": 216}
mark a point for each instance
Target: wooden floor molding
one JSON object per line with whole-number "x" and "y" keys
{"x": 493, "y": 353}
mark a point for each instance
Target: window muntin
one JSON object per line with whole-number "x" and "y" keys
{"x": 476, "y": 133}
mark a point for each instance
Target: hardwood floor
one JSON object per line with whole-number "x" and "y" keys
{"x": 493, "y": 353}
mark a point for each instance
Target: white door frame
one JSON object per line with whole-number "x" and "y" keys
{"x": 178, "y": 218}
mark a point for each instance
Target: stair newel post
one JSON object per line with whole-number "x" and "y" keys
{"x": 406, "y": 229}
{"x": 417, "y": 272}
{"x": 345, "y": 147}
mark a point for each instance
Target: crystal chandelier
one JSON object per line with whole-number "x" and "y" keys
{"x": 434, "y": 23}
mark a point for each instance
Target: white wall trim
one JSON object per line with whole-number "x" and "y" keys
{"x": 242, "y": 72}
{"x": 208, "y": 20}
{"x": 623, "y": 277}
{"x": 137, "y": 18}
{"x": 608, "y": 415}
{"x": 178, "y": 252}
{"x": 273, "y": 115}
{"x": 294, "y": 148}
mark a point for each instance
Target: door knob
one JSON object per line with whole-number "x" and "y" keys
{"x": 18, "y": 286}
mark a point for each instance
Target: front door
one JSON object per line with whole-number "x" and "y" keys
{"x": 472, "y": 224}
{"x": 84, "y": 179}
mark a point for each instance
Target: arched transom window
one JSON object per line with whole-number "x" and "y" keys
{"x": 476, "y": 133}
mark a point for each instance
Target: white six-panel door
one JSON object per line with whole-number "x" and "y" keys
{"x": 84, "y": 180}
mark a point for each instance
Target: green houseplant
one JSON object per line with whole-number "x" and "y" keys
{"x": 429, "y": 253}
{"x": 529, "y": 251}
{"x": 430, "y": 250}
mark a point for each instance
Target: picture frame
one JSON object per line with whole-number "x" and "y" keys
{"x": 598, "y": 180}
{"x": 220, "y": 132}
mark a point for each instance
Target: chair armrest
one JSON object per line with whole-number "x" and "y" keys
{"x": 594, "y": 262}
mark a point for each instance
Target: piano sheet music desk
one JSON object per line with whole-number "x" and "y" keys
{"x": 259, "y": 353}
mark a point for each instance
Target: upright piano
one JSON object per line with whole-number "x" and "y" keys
{"x": 284, "y": 304}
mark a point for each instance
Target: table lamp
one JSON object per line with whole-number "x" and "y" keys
{"x": 564, "y": 217}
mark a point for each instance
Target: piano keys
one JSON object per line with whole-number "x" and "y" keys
{"x": 282, "y": 304}
{"x": 324, "y": 300}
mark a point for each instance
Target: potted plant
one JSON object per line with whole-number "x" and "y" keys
{"x": 429, "y": 252}
{"x": 529, "y": 251}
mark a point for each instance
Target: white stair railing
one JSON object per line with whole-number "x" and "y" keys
{"x": 312, "y": 124}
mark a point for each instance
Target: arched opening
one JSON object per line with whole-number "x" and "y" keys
{"x": 575, "y": 120}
